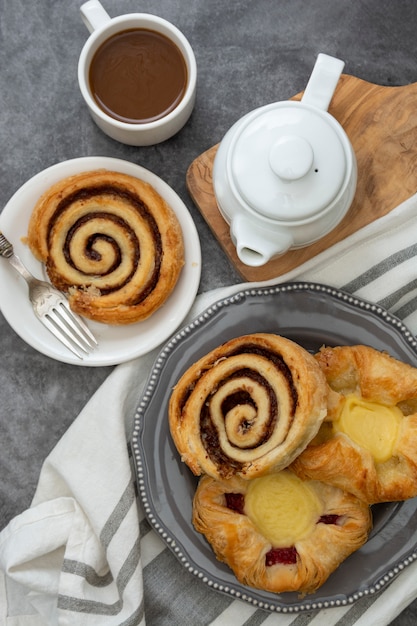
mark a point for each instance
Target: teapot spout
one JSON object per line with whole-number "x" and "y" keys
{"x": 255, "y": 245}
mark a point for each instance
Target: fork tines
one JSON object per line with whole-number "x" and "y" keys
{"x": 70, "y": 329}
{"x": 51, "y": 307}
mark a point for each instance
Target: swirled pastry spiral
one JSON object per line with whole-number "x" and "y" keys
{"x": 248, "y": 407}
{"x": 279, "y": 533}
{"x": 368, "y": 444}
{"x": 109, "y": 241}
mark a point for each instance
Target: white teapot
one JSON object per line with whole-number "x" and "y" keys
{"x": 285, "y": 174}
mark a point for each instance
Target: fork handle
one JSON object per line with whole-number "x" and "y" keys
{"x": 6, "y": 251}
{"x": 19, "y": 267}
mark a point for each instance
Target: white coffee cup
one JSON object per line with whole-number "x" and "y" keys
{"x": 102, "y": 27}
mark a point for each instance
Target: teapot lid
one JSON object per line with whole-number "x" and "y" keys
{"x": 287, "y": 160}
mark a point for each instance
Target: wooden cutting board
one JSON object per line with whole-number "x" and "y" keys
{"x": 381, "y": 123}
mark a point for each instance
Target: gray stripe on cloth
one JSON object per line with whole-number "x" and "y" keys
{"x": 97, "y": 608}
{"x": 144, "y": 528}
{"x": 78, "y": 605}
{"x": 119, "y": 513}
{"x": 128, "y": 567}
{"x": 136, "y": 617}
{"x": 71, "y": 603}
{"x": 71, "y": 566}
{"x": 175, "y": 597}
{"x": 407, "y": 309}
{"x": 357, "y": 610}
{"x": 348, "y": 619}
{"x": 380, "y": 269}
{"x": 303, "y": 619}
{"x": 77, "y": 568}
{"x": 299, "y": 619}
{"x": 259, "y": 617}
{"x": 390, "y": 301}
{"x": 87, "y": 572}
{"x": 256, "y": 619}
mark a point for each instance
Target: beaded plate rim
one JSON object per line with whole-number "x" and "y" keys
{"x": 235, "y": 591}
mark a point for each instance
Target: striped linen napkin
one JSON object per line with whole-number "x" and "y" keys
{"x": 83, "y": 553}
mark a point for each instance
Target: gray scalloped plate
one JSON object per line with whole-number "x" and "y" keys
{"x": 312, "y": 315}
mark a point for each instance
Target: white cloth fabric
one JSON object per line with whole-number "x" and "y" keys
{"x": 83, "y": 552}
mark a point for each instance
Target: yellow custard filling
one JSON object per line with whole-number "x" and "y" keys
{"x": 282, "y": 507}
{"x": 371, "y": 425}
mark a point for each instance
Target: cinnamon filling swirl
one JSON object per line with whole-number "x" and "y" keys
{"x": 109, "y": 241}
{"x": 241, "y": 409}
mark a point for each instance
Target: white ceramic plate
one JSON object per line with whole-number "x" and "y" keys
{"x": 117, "y": 344}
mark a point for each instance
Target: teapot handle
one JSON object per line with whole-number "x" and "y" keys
{"x": 323, "y": 80}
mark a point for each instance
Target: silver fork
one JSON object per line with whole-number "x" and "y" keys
{"x": 51, "y": 307}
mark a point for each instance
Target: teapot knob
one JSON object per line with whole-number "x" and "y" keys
{"x": 291, "y": 157}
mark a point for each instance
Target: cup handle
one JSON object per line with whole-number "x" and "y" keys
{"x": 323, "y": 80}
{"x": 94, "y": 15}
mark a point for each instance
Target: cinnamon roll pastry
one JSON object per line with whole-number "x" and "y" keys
{"x": 248, "y": 407}
{"x": 368, "y": 444}
{"x": 279, "y": 533}
{"x": 110, "y": 242}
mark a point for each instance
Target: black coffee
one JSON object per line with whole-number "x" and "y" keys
{"x": 138, "y": 76}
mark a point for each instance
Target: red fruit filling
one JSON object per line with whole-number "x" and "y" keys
{"x": 275, "y": 556}
{"x": 329, "y": 519}
{"x": 284, "y": 556}
{"x": 235, "y": 502}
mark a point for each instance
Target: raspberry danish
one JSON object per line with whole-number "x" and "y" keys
{"x": 248, "y": 407}
{"x": 110, "y": 242}
{"x": 279, "y": 533}
{"x": 368, "y": 444}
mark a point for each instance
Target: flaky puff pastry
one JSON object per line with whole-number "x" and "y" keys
{"x": 333, "y": 456}
{"x": 340, "y": 526}
{"x": 248, "y": 407}
{"x": 110, "y": 242}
